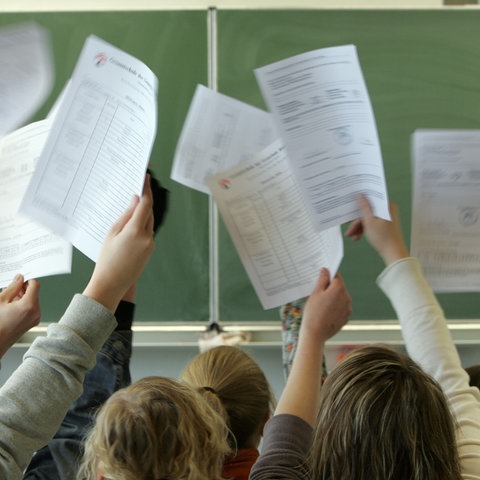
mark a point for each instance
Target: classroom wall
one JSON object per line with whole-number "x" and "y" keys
{"x": 169, "y": 361}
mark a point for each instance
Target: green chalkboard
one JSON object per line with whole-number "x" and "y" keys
{"x": 174, "y": 286}
{"x": 422, "y": 69}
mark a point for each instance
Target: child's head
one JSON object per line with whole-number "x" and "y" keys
{"x": 240, "y": 385}
{"x": 382, "y": 417}
{"x": 156, "y": 428}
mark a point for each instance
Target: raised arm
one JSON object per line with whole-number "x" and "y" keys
{"x": 403, "y": 282}
{"x": 384, "y": 236}
{"x": 124, "y": 253}
{"x": 19, "y": 311}
{"x": 36, "y": 397}
{"x": 424, "y": 328}
{"x": 287, "y": 435}
{"x": 326, "y": 312}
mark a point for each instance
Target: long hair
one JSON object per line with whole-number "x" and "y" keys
{"x": 381, "y": 417}
{"x": 155, "y": 429}
{"x": 240, "y": 385}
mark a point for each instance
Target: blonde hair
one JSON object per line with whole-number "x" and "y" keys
{"x": 154, "y": 429}
{"x": 240, "y": 385}
{"x": 382, "y": 417}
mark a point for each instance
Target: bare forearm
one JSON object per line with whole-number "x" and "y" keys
{"x": 301, "y": 393}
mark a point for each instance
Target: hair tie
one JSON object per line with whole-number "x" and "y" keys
{"x": 209, "y": 389}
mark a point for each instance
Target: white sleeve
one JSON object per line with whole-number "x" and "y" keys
{"x": 430, "y": 344}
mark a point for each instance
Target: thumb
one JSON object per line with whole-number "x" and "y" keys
{"x": 117, "y": 227}
{"x": 323, "y": 280}
{"x": 15, "y": 287}
{"x": 33, "y": 288}
{"x": 364, "y": 205}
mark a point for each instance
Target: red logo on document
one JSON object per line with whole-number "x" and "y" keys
{"x": 225, "y": 183}
{"x": 100, "y": 59}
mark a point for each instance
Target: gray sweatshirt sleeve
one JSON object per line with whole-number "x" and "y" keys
{"x": 286, "y": 442}
{"x": 35, "y": 398}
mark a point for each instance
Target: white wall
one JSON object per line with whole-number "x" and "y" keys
{"x": 169, "y": 361}
{"x": 61, "y": 5}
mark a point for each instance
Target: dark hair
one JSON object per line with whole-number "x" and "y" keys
{"x": 160, "y": 201}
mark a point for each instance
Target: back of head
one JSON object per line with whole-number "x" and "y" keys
{"x": 382, "y": 418}
{"x": 240, "y": 385}
{"x": 156, "y": 428}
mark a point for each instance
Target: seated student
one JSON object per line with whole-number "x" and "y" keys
{"x": 35, "y": 398}
{"x": 156, "y": 428}
{"x": 19, "y": 311}
{"x": 379, "y": 415}
{"x": 287, "y": 435}
{"x": 60, "y": 458}
{"x": 230, "y": 375}
{"x": 424, "y": 329}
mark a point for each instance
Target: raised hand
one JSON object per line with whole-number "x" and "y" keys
{"x": 383, "y": 235}
{"x": 125, "y": 252}
{"x": 327, "y": 309}
{"x": 19, "y": 311}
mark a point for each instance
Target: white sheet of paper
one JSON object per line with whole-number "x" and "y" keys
{"x": 25, "y": 246}
{"x": 446, "y": 208}
{"x": 219, "y": 132}
{"x": 58, "y": 101}
{"x": 98, "y": 150}
{"x": 26, "y": 63}
{"x": 321, "y": 105}
{"x": 264, "y": 212}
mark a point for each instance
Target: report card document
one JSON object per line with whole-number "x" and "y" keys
{"x": 264, "y": 212}
{"x": 283, "y": 203}
{"x": 26, "y": 246}
{"x": 98, "y": 148}
{"x": 446, "y": 207}
{"x": 320, "y": 104}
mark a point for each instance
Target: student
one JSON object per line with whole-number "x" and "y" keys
{"x": 156, "y": 428}
{"x": 35, "y": 398}
{"x": 374, "y": 421}
{"x": 392, "y": 415}
{"x": 60, "y": 458}
{"x": 19, "y": 311}
{"x": 287, "y": 435}
{"x": 425, "y": 330}
{"x": 233, "y": 377}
